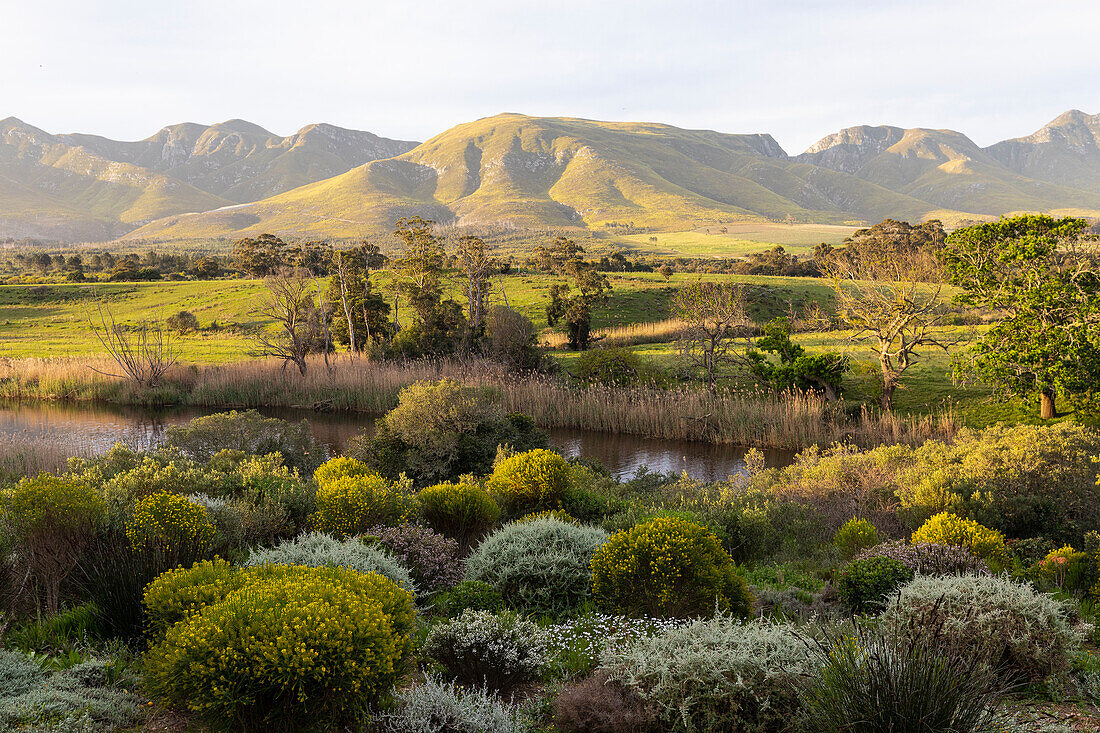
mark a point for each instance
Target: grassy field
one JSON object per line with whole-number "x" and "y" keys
{"x": 735, "y": 239}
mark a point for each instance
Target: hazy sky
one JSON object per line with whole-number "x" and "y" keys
{"x": 412, "y": 68}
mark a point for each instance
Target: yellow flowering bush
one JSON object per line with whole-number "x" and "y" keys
{"x": 946, "y": 528}
{"x": 558, "y": 514}
{"x": 178, "y": 594}
{"x": 462, "y": 511}
{"x": 668, "y": 567}
{"x": 855, "y": 536}
{"x": 339, "y": 468}
{"x": 170, "y": 523}
{"x": 51, "y": 520}
{"x": 292, "y": 649}
{"x": 533, "y": 480}
{"x": 350, "y": 505}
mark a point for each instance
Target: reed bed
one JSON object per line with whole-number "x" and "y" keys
{"x": 28, "y": 454}
{"x": 632, "y": 334}
{"x": 741, "y": 417}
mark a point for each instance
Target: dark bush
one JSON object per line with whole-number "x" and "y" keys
{"x": 251, "y": 433}
{"x": 864, "y": 585}
{"x": 599, "y": 705}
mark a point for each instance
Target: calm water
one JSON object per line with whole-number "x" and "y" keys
{"x": 98, "y": 427}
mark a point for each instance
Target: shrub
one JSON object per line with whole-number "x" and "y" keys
{"x": 864, "y": 585}
{"x": 183, "y": 322}
{"x": 355, "y": 627}
{"x": 181, "y": 593}
{"x": 928, "y": 558}
{"x": 950, "y": 529}
{"x": 668, "y": 567}
{"x": 339, "y": 468}
{"x": 615, "y": 366}
{"x": 230, "y": 520}
{"x": 540, "y": 566}
{"x": 17, "y": 673}
{"x": 76, "y": 700}
{"x": 501, "y": 651}
{"x": 51, "y": 521}
{"x": 890, "y": 681}
{"x": 351, "y": 505}
{"x": 599, "y": 705}
{"x": 462, "y": 511}
{"x": 250, "y": 433}
{"x": 442, "y": 430}
{"x": 1026, "y": 633}
{"x": 1067, "y": 569}
{"x": 512, "y": 338}
{"x": 171, "y": 524}
{"x": 434, "y": 706}
{"x": 854, "y": 536}
{"x": 716, "y": 675}
{"x": 431, "y": 558}
{"x": 531, "y": 481}
{"x": 1023, "y": 480}
{"x": 317, "y": 550}
{"x": 474, "y": 595}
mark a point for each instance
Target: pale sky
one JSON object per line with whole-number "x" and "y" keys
{"x": 412, "y": 68}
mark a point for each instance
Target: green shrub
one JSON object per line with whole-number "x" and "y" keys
{"x": 950, "y": 529}
{"x": 928, "y": 558}
{"x": 355, "y": 627}
{"x": 474, "y": 595}
{"x": 855, "y": 536}
{"x": 540, "y": 566}
{"x": 616, "y": 366}
{"x": 890, "y": 681}
{"x": 443, "y": 430}
{"x": 1023, "y": 480}
{"x": 531, "y": 481}
{"x": 1067, "y": 570}
{"x": 1028, "y": 634}
{"x": 318, "y": 550}
{"x": 716, "y": 675}
{"x": 350, "y": 505}
{"x": 462, "y": 511}
{"x": 172, "y": 524}
{"x": 250, "y": 433}
{"x": 865, "y": 584}
{"x": 668, "y": 567}
{"x": 51, "y": 521}
{"x": 500, "y": 651}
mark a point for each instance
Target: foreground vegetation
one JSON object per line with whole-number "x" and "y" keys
{"x": 448, "y": 573}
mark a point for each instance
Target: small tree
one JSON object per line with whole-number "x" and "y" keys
{"x": 795, "y": 369}
{"x": 477, "y": 266}
{"x": 52, "y": 521}
{"x": 143, "y": 352}
{"x": 1042, "y": 275}
{"x": 593, "y": 289}
{"x": 289, "y": 305}
{"x": 183, "y": 322}
{"x": 879, "y": 299}
{"x": 715, "y": 314}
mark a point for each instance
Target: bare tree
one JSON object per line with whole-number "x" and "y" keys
{"x": 342, "y": 267}
{"x": 143, "y": 352}
{"x": 715, "y": 315}
{"x": 878, "y": 299}
{"x": 288, "y": 304}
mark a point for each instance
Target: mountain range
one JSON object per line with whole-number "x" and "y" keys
{"x": 511, "y": 171}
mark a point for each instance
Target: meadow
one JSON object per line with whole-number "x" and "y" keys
{"x": 738, "y": 238}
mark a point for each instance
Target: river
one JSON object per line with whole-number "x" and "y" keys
{"x": 96, "y": 427}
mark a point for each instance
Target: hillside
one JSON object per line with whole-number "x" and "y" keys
{"x": 86, "y": 187}
{"x": 1066, "y": 151}
{"x": 947, "y": 169}
{"x": 524, "y": 172}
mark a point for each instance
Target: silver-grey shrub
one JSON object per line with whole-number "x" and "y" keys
{"x": 929, "y": 558}
{"x": 499, "y": 651}
{"x": 434, "y": 706}
{"x": 318, "y": 550}
{"x": 539, "y": 566}
{"x": 717, "y": 674}
{"x": 17, "y": 673}
{"x": 1030, "y": 635}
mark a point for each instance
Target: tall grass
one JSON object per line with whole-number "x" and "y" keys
{"x": 28, "y": 454}
{"x": 632, "y": 334}
{"x": 741, "y": 417}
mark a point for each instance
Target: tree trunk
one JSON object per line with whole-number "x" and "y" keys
{"x": 888, "y": 395}
{"x": 1046, "y": 404}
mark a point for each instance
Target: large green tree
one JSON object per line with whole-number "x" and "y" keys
{"x": 1040, "y": 275}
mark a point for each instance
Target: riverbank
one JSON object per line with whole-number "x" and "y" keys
{"x": 737, "y": 417}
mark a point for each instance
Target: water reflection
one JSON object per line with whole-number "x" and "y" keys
{"x": 97, "y": 427}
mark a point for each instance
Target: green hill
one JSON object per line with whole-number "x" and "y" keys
{"x": 523, "y": 172}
